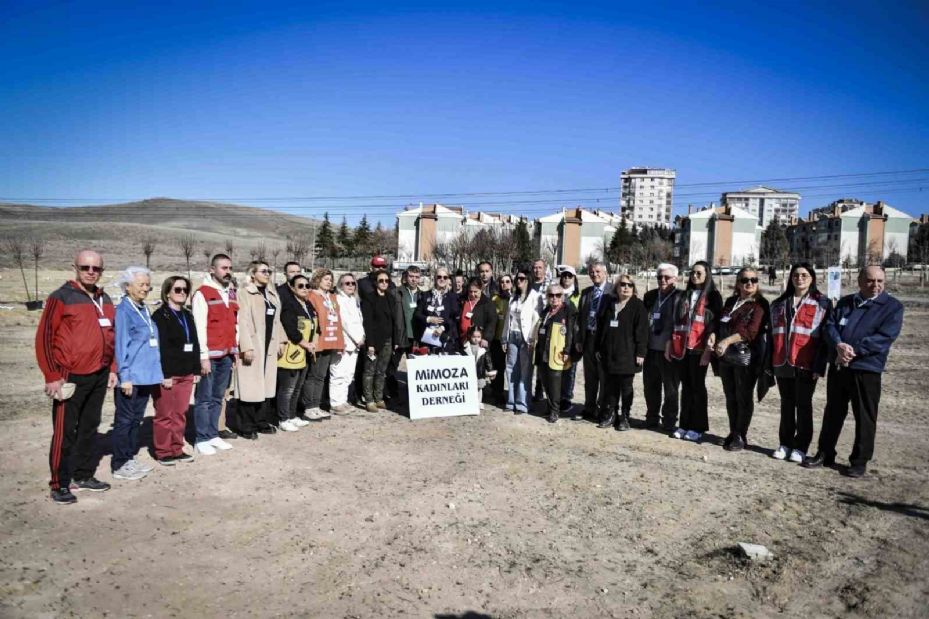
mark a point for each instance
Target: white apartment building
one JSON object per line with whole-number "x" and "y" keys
{"x": 765, "y": 203}
{"x": 646, "y": 196}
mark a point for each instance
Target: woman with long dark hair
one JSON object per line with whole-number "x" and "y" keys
{"x": 299, "y": 321}
{"x": 522, "y": 316}
{"x": 740, "y": 325}
{"x": 696, "y": 313}
{"x": 798, "y": 357}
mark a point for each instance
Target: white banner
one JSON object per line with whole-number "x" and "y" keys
{"x": 834, "y": 283}
{"x": 442, "y": 386}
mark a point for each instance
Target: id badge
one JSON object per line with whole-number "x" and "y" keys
{"x": 542, "y": 331}
{"x": 656, "y": 316}
{"x": 430, "y": 308}
{"x": 614, "y": 323}
{"x": 153, "y": 342}
{"x": 333, "y": 318}
{"x": 725, "y": 319}
{"x": 469, "y": 314}
{"x": 440, "y": 308}
{"x": 270, "y": 311}
{"x": 843, "y": 321}
{"x": 104, "y": 322}
{"x": 412, "y": 304}
{"x": 188, "y": 347}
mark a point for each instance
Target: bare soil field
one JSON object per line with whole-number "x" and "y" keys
{"x": 374, "y": 515}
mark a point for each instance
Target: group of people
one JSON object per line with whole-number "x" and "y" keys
{"x": 277, "y": 358}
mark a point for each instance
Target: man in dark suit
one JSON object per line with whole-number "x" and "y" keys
{"x": 587, "y": 310}
{"x": 659, "y": 374}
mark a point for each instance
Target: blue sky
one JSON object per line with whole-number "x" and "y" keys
{"x": 111, "y": 101}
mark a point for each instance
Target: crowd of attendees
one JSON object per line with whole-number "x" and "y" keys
{"x": 258, "y": 358}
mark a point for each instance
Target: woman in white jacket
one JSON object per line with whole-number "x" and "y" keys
{"x": 342, "y": 372}
{"x": 522, "y": 315}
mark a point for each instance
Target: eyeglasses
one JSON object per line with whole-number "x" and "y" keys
{"x": 382, "y": 281}
{"x": 263, "y": 271}
{"x": 666, "y": 278}
{"x": 348, "y": 283}
{"x": 506, "y": 281}
{"x": 179, "y": 290}
{"x": 748, "y": 280}
{"x": 442, "y": 277}
{"x": 302, "y": 286}
{"x": 90, "y": 267}
{"x": 802, "y": 275}
{"x": 625, "y": 285}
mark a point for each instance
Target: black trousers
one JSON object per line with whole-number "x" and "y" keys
{"x": 659, "y": 377}
{"x": 74, "y": 429}
{"x": 693, "y": 393}
{"x": 551, "y": 382}
{"x": 498, "y": 357}
{"x": 616, "y": 388}
{"x": 796, "y": 429}
{"x": 253, "y": 415}
{"x": 392, "y": 383}
{"x": 863, "y": 390}
{"x": 739, "y": 386}
{"x": 593, "y": 377}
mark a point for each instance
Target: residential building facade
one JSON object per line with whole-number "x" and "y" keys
{"x": 765, "y": 203}
{"x": 574, "y": 236}
{"x": 721, "y": 235}
{"x": 646, "y": 196}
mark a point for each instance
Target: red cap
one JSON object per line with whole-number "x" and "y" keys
{"x": 378, "y": 261}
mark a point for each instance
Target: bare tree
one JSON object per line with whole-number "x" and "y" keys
{"x": 297, "y": 248}
{"x": 549, "y": 250}
{"x": 17, "y": 249}
{"x": 275, "y": 252}
{"x": 260, "y": 251}
{"x": 148, "y": 248}
{"x": 207, "y": 254}
{"x": 38, "y": 250}
{"x": 230, "y": 246}
{"x": 187, "y": 244}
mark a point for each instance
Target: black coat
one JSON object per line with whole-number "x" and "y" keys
{"x": 171, "y": 341}
{"x": 484, "y": 316}
{"x": 450, "y": 312}
{"x": 566, "y": 318}
{"x": 583, "y": 310}
{"x": 291, "y": 312}
{"x": 619, "y": 345}
{"x": 379, "y": 315}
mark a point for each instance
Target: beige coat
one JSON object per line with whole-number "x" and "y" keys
{"x": 258, "y": 381}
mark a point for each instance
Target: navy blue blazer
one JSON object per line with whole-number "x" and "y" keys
{"x": 869, "y": 329}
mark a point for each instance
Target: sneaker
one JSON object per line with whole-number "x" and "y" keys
{"x": 184, "y": 457}
{"x": 128, "y": 472}
{"x": 313, "y": 414}
{"x": 290, "y": 425}
{"x": 205, "y": 449}
{"x": 797, "y": 456}
{"x": 91, "y": 483}
{"x": 324, "y": 414}
{"x": 371, "y": 407}
{"x": 381, "y": 404}
{"x": 167, "y": 461}
{"x": 220, "y": 444}
{"x": 227, "y": 435}
{"x": 63, "y": 496}
{"x": 145, "y": 468}
{"x": 678, "y": 433}
{"x": 482, "y": 406}
{"x": 780, "y": 453}
{"x": 693, "y": 436}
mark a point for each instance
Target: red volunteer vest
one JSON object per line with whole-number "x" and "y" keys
{"x": 220, "y": 322}
{"x": 798, "y": 347}
{"x": 688, "y": 335}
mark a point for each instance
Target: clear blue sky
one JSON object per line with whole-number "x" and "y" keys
{"x": 124, "y": 100}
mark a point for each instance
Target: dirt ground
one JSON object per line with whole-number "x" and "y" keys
{"x": 501, "y": 516}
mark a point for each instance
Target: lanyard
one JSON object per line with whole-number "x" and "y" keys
{"x": 147, "y": 318}
{"x": 305, "y": 310}
{"x": 181, "y": 318}
{"x": 660, "y": 302}
{"x": 99, "y": 305}
{"x": 264, "y": 295}
{"x": 473, "y": 304}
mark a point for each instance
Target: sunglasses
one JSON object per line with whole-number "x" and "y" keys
{"x": 520, "y": 278}
{"x": 302, "y": 286}
{"x": 505, "y": 281}
{"x": 748, "y": 280}
{"x": 90, "y": 267}
{"x": 442, "y": 277}
{"x": 553, "y": 296}
{"x": 180, "y": 290}
{"x": 666, "y": 278}
{"x": 626, "y": 285}
{"x": 348, "y": 283}
{"x": 382, "y": 281}
{"x": 263, "y": 271}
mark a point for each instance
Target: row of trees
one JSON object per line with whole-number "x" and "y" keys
{"x": 361, "y": 242}
{"x": 503, "y": 248}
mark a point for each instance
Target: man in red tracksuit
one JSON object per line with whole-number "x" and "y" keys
{"x": 74, "y": 349}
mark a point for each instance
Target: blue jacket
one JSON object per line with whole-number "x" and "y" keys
{"x": 869, "y": 329}
{"x": 137, "y": 361}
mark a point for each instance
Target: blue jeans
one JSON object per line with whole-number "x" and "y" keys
{"x": 208, "y": 401}
{"x": 126, "y": 423}
{"x": 519, "y": 372}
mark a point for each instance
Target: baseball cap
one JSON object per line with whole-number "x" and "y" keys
{"x": 378, "y": 261}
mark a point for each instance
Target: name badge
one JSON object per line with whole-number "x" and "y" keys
{"x": 843, "y": 322}
{"x": 153, "y": 342}
{"x": 188, "y": 347}
{"x": 614, "y": 323}
{"x": 412, "y": 304}
{"x": 270, "y": 311}
{"x": 430, "y": 308}
{"x": 440, "y": 308}
{"x": 333, "y": 318}
{"x": 656, "y": 316}
{"x": 542, "y": 331}
{"x": 725, "y": 319}
{"x": 469, "y": 314}
{"x": 104, "y": 322}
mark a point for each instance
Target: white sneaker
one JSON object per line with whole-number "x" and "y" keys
{"x": 220, "y": 444}
{"x": 313, "y": 414}
{"x": 205, "y": 449}
{"x": 780, "y": 453}
{"x": 678, "y": 433}
{"x": 797, "y": 456}
{"x": 323, "y": 414}
{"x": 290, "y": 425}
{"x": 128, "y": 472}
{"x": 691, "y": 435}
{"x": 297, "y": 423}
{"x": 145, "y": 468}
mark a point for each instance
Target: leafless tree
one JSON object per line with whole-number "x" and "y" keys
{"x": 148, "y": 248}
{"x": 549, "y": 251}
{"x": 207, "y": 254}
{"x": 38, "y": 250}
{"x": 297, "y": 247}
{"x": 230, "y": 246}
{"x": 275, "y": 252}
{"x": 187, "y": 245}
{"x": 17, "y": 249}
{"x": 259, "y": 251}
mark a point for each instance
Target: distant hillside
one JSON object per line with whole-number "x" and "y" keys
{"x": 118, "y": 230}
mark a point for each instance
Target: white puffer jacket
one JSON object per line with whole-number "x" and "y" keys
{"x": 352, "y": 326}
{"x": 522, "y": 316}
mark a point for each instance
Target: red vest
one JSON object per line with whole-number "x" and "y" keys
{"x": 688, "y": 334}
{"x": 797, "y": 345}
{"x": 220, "y": 322}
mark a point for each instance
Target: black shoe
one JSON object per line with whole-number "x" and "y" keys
{"x": 607, "y": 421}
{"x": 622, "y": 423}
{"x": 817, "y": 461}
{"x": 651, "y": 424}
{"x": 91, "y": 483}
{"x": 578, "y": 416}
{"x": 856, "y": 471}
{"x": 735, "y": 444}
{"x": 519, "y": 412}
{"x": 251, "y": 436}
{"x": 168, "y": 461}
{"x": 227, "y": 435}
{"x": 63, "y": 496}
{"x": 182, "y": 457}
{"x": 267, "y": 430}
{"x": 553, "y": 418}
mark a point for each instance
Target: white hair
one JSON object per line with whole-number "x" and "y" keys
{"x": 667, "y": 267}
{"x": 128, "y": 276}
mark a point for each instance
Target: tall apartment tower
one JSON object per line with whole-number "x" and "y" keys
{"x": 645, "y": 196}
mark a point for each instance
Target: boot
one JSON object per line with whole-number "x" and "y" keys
{"x": 607, "y": 419}
{"x": 622, "y": 422}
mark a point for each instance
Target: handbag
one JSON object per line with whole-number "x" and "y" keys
{"x": 738, "y": 354}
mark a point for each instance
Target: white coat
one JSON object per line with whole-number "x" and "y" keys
{"x": 352, "y": 326}
{"x": 522, "y": 316}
